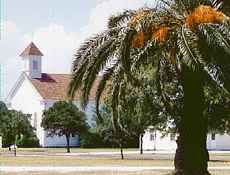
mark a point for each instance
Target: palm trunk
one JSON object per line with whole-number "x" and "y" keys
{"x": 67, "y": 141}
{"x": 141, "y": 144}
{"x": 191, "y": 155}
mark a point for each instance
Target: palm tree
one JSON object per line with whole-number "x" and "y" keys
{"x": 188, "y": 42}
{"x": 224, "y": 5}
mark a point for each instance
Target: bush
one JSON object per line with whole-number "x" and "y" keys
{"x": 30, "y": 142}
{"x": 92, "y": 140}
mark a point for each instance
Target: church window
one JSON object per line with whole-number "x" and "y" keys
{"x": 35, "y": 64}
{"x": 152, "y": 137}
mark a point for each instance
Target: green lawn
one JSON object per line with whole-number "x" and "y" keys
{"x": 95, "y": 173}
{"x": 111, "y": 173}
{"x": 48, "y": 157}
{"x": 78, "y": 161}
{"x": 73, "y": 150}
{"x": 99, "y": 160}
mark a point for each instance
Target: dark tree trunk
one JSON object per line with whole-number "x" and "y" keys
{"x": 15, "y": 150}
{"x": 121, "y": 149}
{"x": 141, "y": 144}
{"x": 67, "y": 141}
{"x": 191, "y": 155}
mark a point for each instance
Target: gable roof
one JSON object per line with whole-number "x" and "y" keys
{"x": 31, "y": 49}
{"x": 55, "y": 86}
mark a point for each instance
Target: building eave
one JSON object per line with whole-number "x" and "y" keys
{"x": 17, "y": 85}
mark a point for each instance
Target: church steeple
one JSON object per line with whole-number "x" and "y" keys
{"x": 32, "y": 58}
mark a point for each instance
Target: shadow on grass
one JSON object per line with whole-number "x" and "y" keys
{"x": 220, "y": 161}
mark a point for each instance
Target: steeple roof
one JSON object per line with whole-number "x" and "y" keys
{"x": 31, "y": 49}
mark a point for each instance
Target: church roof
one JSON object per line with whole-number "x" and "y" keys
{"x": 55, "y": 86}
{"x": 31, "y": 49}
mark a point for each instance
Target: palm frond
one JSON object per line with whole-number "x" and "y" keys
{"x": 116, "y": 83}
{"x": 102, "y": 85}
{"x": 83, "y": 57}
{"x": 125, "y": 49}
{"x": 98, "y": 62}
{"x": 144, "y": 54}
{"x": 217, "y": 36}
{"x": 120, "y": 19}
{"x": 215, "y": 76}
{"x": 188, "y": 45}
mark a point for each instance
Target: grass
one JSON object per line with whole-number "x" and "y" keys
{"x": 78, "y": 161}
{"x": 63, "y": 150}
{"x": 111, "y": 173}
{"x": 48, "y": 157}
{"x": 93, "y": 173}
{"x": 97, "y": 160}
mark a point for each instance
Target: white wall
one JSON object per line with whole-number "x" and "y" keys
{"x": 89, "y": 111}
{"x": 28, "y": 100}
{"x": 220, "y": 142}
{"x": 158, "y": 142}
{"x": 57, "y": 141}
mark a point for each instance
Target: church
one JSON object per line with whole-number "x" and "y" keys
{"x": 36, "y": 91}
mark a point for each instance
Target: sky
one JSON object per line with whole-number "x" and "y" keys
{"x": 57, "y": 27}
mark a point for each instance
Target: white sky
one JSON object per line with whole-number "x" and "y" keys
{"x": 56, "y": 27}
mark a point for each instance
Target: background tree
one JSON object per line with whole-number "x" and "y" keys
{"x": 140, "y": 106}
{"x": 104, "y": 126}
{"x": 64, "y": 119}
{"x": 188, "y": 42}
{"x": 3, "y": 113}
{"x": 15, "y": 126}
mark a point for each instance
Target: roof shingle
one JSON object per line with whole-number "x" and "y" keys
{"x": 55, "y": 86}
{"x": 31, "y": 49}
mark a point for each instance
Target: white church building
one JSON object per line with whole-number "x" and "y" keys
{"x": 155, "y": 140}
{"x": 36, "y": 91}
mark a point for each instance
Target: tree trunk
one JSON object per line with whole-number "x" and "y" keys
{"x": 121, "y": 148}
{"x": 67, "y": 141}
{"x": 191, "y": 155}
{"x": 15, "y": 150}
{"x": 141, "y": 144}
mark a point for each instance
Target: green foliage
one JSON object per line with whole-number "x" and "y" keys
{"x": 3, "y": 114}
{"x": 64, "y": 118}
{"x": 92, "y": 139}
{"x": 30, "y": 141}
{"x": 217, "y": 111}
{"x": 16, "y": 128}
{"x": 110, "y": 136}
